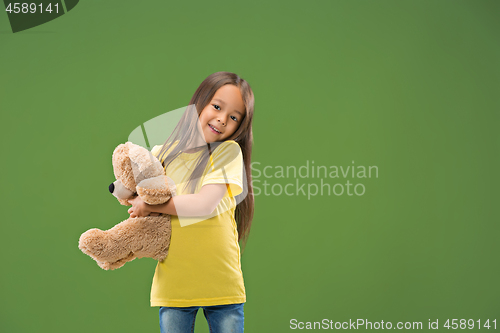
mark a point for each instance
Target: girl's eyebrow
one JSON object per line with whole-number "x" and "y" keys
{"x": 222, "y": 102}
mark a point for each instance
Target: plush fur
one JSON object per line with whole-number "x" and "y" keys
{"x": 137, "y": 172}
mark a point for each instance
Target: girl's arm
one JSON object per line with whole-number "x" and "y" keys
{"x": 189, "y": 205}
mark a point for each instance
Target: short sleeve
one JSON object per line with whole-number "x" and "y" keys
{"x": 226, "y": 167}
{"x": 156, "y": 150}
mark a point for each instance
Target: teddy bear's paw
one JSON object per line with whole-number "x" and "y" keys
{"x": 85, "y": 243}
{"x": 156, "y": 190}
{"x": 117, "y": 264}
{"x": 94, "y": 243}
{"x": 104, "y": 265}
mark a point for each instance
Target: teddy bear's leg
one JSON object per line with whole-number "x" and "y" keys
{"x": 155, "y": 239}
{"x": 133, "y": 238}
{"x": 107, "y": 246}
{"x": 162, "y": 252}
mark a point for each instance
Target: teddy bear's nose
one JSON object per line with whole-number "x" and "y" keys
{"x": 111, "y": 188}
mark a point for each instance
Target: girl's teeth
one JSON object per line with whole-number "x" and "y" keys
{"x": 214, "y": 129}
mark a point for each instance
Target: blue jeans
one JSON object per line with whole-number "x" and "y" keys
{"x": 221, "y": 318}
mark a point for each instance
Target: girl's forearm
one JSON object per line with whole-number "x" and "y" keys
{"x": 202, "y": 203}
{"x": 166, "y": 208}
{"x": 183, "y": 205}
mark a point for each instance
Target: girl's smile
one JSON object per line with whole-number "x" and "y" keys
{"x": 214, "y": 129}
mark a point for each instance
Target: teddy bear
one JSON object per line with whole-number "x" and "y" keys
{"x": 137, "y": 172}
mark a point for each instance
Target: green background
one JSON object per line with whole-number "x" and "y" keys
{"x": 409, "y": 86}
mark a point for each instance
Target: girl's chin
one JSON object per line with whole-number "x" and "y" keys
{"x": 209, "y": 139}
{"x": 211, "y": 136}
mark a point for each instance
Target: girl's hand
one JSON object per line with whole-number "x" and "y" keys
{"x": 140, "y": 208}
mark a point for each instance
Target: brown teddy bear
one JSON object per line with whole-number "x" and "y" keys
{"x": 137, "y": 172}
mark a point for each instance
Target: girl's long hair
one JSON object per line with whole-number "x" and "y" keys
{"x": 186, "y": 130}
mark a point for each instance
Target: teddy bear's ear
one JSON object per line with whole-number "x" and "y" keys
{"x": 144, "y": 164}
{"x": 122, "y": 167}
{"x": 156, "y": 190}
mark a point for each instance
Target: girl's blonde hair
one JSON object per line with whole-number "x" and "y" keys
{"x": 186, "y": 129}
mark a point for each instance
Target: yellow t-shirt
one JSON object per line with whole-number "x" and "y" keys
{"x": 203, "y": 264}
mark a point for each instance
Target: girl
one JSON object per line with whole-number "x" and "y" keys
{"x": 206, "y": 156}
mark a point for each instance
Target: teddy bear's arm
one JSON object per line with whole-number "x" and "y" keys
{"x": 156, "y": 190}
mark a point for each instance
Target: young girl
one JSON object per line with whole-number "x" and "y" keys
{"x": 208, "y": 158}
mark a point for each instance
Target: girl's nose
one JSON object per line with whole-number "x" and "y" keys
{"x": 222, "y": 122}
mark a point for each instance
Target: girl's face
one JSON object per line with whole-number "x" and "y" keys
{"x": 223, "y": 115}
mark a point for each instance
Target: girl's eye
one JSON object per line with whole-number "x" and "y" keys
{"x": 234, "y": 118}
{"x": 217, "y": 107}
